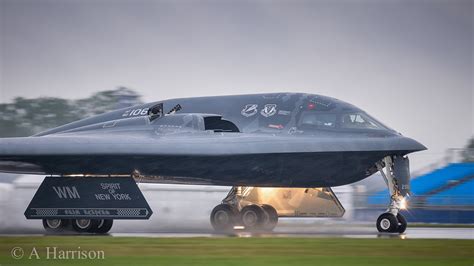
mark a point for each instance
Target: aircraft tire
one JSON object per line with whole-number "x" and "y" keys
{"x": 224, "y": 217}
{"x": 272, "y": 218}
{"x": 387, "y": 223}
{"x": 252, "y": 217}
{"x": 103, "y": 226}
{"x": 402, "y": 223}
{"x": 85, "y": 225}
{"x": 55, "y": 225}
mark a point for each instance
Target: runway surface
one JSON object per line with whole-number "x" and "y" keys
{"x": 411, "y": 233}
{"x": 322, "y": 232}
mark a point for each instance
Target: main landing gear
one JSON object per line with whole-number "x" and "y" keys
{"x": 94, "y": 226}
{"x": 235, "y": 212}
{"x": 392, "y": 221}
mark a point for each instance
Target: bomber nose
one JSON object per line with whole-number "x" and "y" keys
{"x": 412, "y": 145}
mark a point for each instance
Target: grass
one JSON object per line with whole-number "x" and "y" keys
{"x": 244, "y": 251}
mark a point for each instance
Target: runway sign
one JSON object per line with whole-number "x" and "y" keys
{"x": 88, "y": 198}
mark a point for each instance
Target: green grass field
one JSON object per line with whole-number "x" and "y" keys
{"x": 243, "y": 251}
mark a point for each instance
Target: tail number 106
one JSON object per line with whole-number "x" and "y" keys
{"x": 135, "y": 112}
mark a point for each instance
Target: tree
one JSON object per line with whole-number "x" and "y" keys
{"x": 468, "y": 152}
{"x": 25, "y": 117}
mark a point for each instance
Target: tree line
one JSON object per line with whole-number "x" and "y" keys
{"x": 26, "y": 117}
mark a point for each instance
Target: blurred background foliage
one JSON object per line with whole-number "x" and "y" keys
{"x": 468, "y": 152}
{"x": 25, "y": 117}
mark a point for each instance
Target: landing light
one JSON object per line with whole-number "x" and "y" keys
{"x": 267, "y": 191}
{"x": 403, "y": 204}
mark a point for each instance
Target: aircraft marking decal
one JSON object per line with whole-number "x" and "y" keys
{"x": 135, "y": 112}
{"x": 249, "y": 110}
{"x": 269, "y": 110}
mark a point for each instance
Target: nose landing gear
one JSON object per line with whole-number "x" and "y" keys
{"x": 389, "y": 223}
{"x": 392, "y": 221}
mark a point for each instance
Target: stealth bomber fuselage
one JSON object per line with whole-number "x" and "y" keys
{"x": 275, "y": 139}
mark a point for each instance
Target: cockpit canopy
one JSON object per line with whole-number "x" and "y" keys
{"x": 301, "y": 112}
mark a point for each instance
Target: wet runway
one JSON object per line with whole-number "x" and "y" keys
{"x": 363, "y": 231}
{"x": 411, "y": 233}
{"x": 287, "y": 227}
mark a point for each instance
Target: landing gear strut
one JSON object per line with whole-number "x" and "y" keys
{"x": 392, "y": 221}
{"x": 235, "y": 211}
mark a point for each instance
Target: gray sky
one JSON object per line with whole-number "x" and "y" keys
{"x": 408, "y": 63}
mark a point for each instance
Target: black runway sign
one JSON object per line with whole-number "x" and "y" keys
{"x": 88, "y": 198}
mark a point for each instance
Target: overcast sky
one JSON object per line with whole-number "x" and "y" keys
{"x": 408, "y": 63}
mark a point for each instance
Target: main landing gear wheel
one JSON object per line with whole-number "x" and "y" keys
{"x": 101, "y": 226}
{"x": 224, "y": 217}
{"x": 253, "y": 217}
{"x": 104, "y": 226}
{"x": 250, "y": 216}
{"x": 55, "y": 225}
{"x": 272, "y": 220}
{"x": 85, "y": 225}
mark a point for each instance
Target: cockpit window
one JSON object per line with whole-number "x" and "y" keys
{"x": 337, "y": 121}
{"x": 318, "y": 120}
{"x": 179, "y": 121}
{"x": 359, "y": 120}
{"x": 217, "y": 124}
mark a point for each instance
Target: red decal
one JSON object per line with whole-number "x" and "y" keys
{"x": 276, "y": 126}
